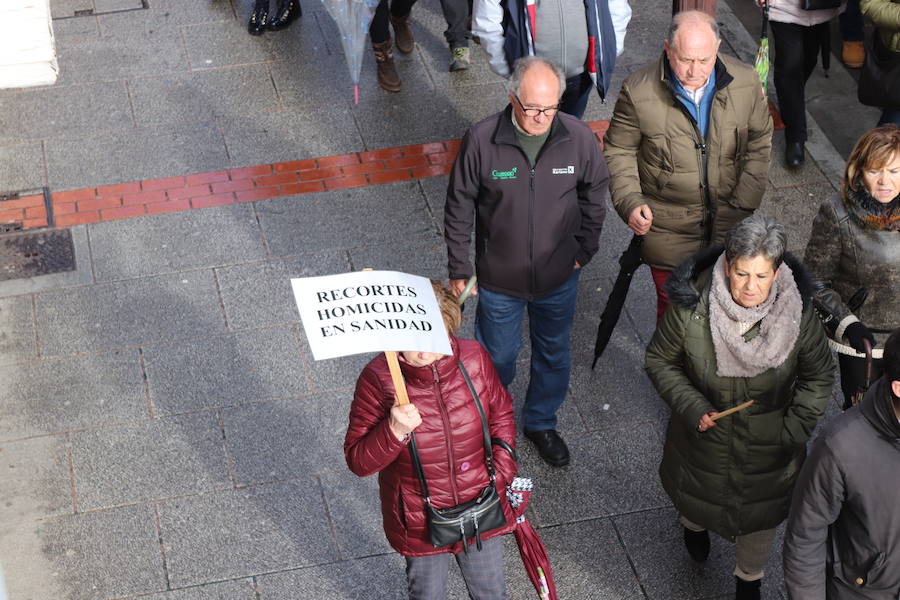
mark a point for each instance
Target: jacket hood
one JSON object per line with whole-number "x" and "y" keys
{"x": 878, "y": 409}
{"x": 690, "y": 278}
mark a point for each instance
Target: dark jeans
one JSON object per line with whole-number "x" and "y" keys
{"x": 379, "y": 30}
{"x": 796, "y": 54}
{"x": 456, "y": 13}
{"x": 853, "y": 374}
{"x": 578, "y": 89}
{"x": 851, "y": 23}
{"x": 498, "y": 326}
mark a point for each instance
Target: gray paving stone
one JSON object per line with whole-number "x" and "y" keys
{"x": 243, "y": 367}
{"x": 217, "y": 44}
{"x": 380, "y": 577}
{"x": 228, "y": 590}
{"x": 131, "y": 44}
{"x": 103, "y": 6}
{"x": 425, "y": 257}
{"x": 80, "y": 27}
{"x": 113, "y": 157}
{"x": 21, "y": 167}
{"x": 237, "y": 533}
{"x": 259, "y": 294}
{"x": 268, "y": 441}
{"x": 71, "y": 393}
{"x": 612, "y": 472}
{"x": 53, "y": 111}
{"x": 324, "y": 82}
{"x": 150, "y": 460}
{"x": 435, "y": 190}
{"x": 67, "y": 8}
{"x": 182, "y": 98}
{"x": 356, "y": 505}
{"x": 589, "y": 561}
{"x": 782, "y": 177}
{"x": 795, "y": 209}
{"x": 176, "y": 241}
{"x": 190, "y": 12}
{"x": 450, "y": 115}
{"x": 17, "y": 341}
{"x": 367, "y": 216}
{"x": 666, "y": 571}
{"x": 289, "y": 135}
{"x": 128, "y": 313}
{"x": 34, "y": 481}
{"x": 90, "y": 556}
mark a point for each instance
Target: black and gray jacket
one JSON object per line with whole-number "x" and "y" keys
{"x": 845, "y": 259}
{"x": 843, "y": 534}
{"x": 531, "y": 224}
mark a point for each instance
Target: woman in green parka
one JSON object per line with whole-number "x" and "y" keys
{"x": 740, "y": 328}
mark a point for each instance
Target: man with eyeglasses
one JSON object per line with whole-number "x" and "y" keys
{"x": 688, "y": 147}
{"x": 533, "y": 183}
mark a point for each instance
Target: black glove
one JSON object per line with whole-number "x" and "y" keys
{"x": 856, "y": 333}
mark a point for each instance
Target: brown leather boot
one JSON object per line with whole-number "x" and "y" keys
{"x": 403, "y": 36}
{"x": 388, "y": 78}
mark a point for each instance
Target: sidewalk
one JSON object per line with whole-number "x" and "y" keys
{"x": 165, "y": 432}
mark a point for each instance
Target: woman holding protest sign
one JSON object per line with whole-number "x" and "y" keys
{"x": 443, "y": 461}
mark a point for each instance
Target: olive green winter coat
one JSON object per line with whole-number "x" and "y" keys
{"x": 737, "y": 477}
{"x": 697, "y": 188}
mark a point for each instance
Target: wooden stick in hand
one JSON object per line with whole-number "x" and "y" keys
{"x": 725, "y": 413}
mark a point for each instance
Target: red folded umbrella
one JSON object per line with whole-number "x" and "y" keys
{"x": 531, "y": 547}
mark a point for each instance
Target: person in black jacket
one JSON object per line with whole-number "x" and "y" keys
{"x": 843, "y": 534}
{"x": 533, "y": 182}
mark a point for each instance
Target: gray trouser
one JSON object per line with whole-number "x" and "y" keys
{"x": 751, "y": 551}
{"x": 482, "y": 572}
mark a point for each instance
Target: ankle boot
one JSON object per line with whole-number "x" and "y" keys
{"x": 287, "y": 11}
{"x": 747, "y": 590}
{"x": 387, "y": 74}
{"x": 259, "y": 18}
{"x": 697, "y": 544}
{"x": 403, "y": 36}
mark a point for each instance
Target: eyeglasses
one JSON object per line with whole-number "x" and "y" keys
{"x": 533, "y": 112}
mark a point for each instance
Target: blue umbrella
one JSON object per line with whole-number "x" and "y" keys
{"x": 353, "y": 18}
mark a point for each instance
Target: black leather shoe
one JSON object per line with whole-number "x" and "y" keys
{"x": 259, "y": 18}
{"x": 747, "y": 590}
{"x": 550, "y": 446}
{"x": 697, "y": 544}
{"x": 794, "y": 154}
{"x": 287, "y": 11}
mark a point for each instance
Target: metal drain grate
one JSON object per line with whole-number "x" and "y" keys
{"x": 30, "y": 254}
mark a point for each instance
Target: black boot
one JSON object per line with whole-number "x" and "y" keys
{"x": 259, "y": 18}
{"x": 794, "y": 155}
{"x": 697, "y": 544}
{"x": 287, "y": 11}
{"x": 746, "y": 590}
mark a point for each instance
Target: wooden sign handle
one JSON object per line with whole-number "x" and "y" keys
{"x": 397, "y": 377}
{"x": 725, "y": 413}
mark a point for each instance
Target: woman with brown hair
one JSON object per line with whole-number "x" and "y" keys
{"x": 854, "y": 254}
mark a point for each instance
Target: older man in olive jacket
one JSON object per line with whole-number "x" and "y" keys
{"x": 688, "y": 147}
{"x": 843, "y": 534}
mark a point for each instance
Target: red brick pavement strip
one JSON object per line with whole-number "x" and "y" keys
{"x": 248, "y": 184}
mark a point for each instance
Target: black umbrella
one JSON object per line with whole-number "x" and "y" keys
{"x": 628, "y": 264}
{"x": 825, "y": 46}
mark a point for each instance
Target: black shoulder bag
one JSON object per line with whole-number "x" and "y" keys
{"x": 468, "y": 520}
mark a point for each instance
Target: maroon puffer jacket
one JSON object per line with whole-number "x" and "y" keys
{"x": 450, "y": 441}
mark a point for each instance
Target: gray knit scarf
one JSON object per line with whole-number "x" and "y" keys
{"x": 779, "y": 319}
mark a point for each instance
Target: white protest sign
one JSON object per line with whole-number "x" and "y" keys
{"x": 370, "y": 311}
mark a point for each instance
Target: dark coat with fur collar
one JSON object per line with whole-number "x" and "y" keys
{"x": 735, "y": 478}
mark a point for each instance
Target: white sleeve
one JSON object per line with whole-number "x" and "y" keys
{"x": 487, "y": 24}
{"x": 620, "y": 11}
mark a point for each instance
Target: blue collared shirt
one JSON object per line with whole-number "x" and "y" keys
{"x": 698, "y": 103}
